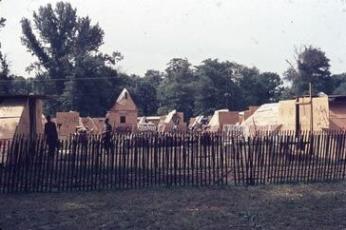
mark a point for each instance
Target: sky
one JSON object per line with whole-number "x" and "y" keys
{"x": 261, "y": 33}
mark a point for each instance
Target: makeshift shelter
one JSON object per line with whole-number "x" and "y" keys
{"x": 244, "y": 115}
{"x": 67, "y": 123}
{"x": 20, "y": 114}
{"x": 89, "y": 124}
{"x": 153, "y": 119}
{"x": 174, "y": 121}
{"x": 223, "y": 117}
{"x": 328, "y": 113}
{"x": 265, "y": 118}
{"x": 99, "y": 123}
{"x": 123, "y": 115}
{"x": 198, "y": 123}
{"x": 146, "y": 126}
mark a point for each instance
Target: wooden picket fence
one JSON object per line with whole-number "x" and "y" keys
{"x": 152, "y": 160}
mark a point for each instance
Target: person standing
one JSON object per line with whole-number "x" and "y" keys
{"x": 51, "y": 135}
{"x": 106, "y": 135}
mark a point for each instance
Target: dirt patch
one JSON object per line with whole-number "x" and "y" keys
{"x": 317, "y": 206}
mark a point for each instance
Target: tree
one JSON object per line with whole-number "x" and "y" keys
{"x": 67, "y": 51}
{"x": 176, "y": 89}
{"x": 153, "y": 77}
{"x": 5, "y": 77}
{"x": 145, "y": 96}
{"x": 215, "y": 86}
{"x": 258, "y": 88}
{"x": 87, "y": 92}
{"x": 312, "y": 66}
{"x": 144, "y": 91}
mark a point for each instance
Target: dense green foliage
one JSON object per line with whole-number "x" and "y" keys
{"x": 77, "y": 76}
{"x": 69, "y": 61}
{"x": 5, "y": 78}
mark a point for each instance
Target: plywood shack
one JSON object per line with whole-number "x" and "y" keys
{"x": 90, "y": 126}
{"x": 20, "y": 115}
{"x": 123, "y": 115}
{"x": 223, "y": 117}
{"x": 174, "y": 121}
{"x": 247, "y": 113}
{"x": 153, "y": 119}
{"x": 99, "y": 122}
{"x": 337, "y": 112}
{"x": 144, "y": 125}
{"x": 297, "y": 112}
{"x": 67, "y": 123}
{"x": 199, "y": 123}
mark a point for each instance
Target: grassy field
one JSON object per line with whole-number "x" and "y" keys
{"x": 317, "y": 206}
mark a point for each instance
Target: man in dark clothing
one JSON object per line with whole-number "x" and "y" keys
{"x": 51, "y": 135}
{"x": 106, "y": 134}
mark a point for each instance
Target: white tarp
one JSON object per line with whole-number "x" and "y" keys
{"x": 266, "y": 118}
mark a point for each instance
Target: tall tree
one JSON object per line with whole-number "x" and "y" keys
{"x": 215, "y": 86}
{"x": 258, "y": 88}
{"x": 312, "y": 65}
{"x": 144, "y": 90}
{"x": 176, "y": 89}
{"x": 5, "y": 77}
{"x": 67, "y": 51}
{"x": 339, "y": 84}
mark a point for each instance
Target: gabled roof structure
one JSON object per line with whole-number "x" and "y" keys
{"x": 124, "y": 102}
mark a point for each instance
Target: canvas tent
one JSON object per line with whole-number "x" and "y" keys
{"x": 265, "y": 118}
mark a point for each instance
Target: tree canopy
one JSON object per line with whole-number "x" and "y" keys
{"x": 5, "y": 77}
{"x": 67, "y": 50}
{"x": 312, "y": 65}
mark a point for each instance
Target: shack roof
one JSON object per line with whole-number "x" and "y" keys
{"x": 124, "y": 102}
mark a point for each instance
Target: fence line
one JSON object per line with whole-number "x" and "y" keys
{"x": 142, "y": 160}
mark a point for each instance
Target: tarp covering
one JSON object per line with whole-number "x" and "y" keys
{"x": 266, "y": 118}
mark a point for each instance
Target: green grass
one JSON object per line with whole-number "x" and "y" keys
{"x": 316, "y": 206}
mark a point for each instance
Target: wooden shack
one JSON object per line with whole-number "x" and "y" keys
{"x": 173, "y": 122}
{"x": 123, "y": 115}
{"x": 223, "y": 117}
{"x": 244, "y": 115}
{"x": 329, "y": 113}
{"x": 20, "y": 114}
{"x": 67, "y": 123}
{"x": 90, "y": 126}
{"x": 99, "y": 122}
